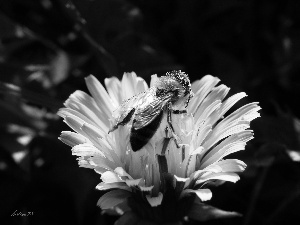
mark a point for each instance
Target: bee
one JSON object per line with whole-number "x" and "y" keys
{"x": 147, "y": 108}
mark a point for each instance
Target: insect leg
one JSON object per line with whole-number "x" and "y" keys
{"x": 169, "y": 120}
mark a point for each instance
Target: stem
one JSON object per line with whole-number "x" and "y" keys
{"x": 286, "y": 201}
{"x": 255, "y": 193}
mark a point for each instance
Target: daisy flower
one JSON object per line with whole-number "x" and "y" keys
{"x": 160, "y": 182}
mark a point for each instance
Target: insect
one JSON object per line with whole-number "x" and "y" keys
{"x": 147, "y": 108}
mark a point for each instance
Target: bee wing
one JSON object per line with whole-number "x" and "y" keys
{"x": 149, "y": 110}
{"x": 128, "y": 106}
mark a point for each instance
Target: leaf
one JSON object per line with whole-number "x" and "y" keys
{"x": 202, "y": 212}
{"x": 118, "y": 210}
{"x": 113, "y": 198}
{"x": 128, "y": 218}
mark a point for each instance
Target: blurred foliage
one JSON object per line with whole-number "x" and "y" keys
{"x": 47, "y": 47}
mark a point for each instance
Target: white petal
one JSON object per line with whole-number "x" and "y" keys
{"x": 101, "y": 143}
{"x": 205, "y": 110}
{"x": 218, "y": 134}
{"x": 100, "y": 95}
{"x": 217, "y": 95}
{"x": 73, "y": 121}
{"x": 231, "y": 144}
{"x": 198, "y": 150}
{"x": 227, "y": 165}
{"x": 68, "y": 112}
{"x": 84, "y": 104}
{"x": 113, "y": 87}
{"x": 86, "y": 149}
{"x": 200, "y": 134}
{"x": 71, "y": 138}
{"x": 141, "y": 85}
{"x": 121, "y": 172}
{"x": 228, "y": 103}
{"x": 232, "y": 177}
{"x": 84, "y": 163}
{"x": 106, "y": 186}
{"x": 100, "y": 170}
{"x": 92, "y": 132}
{"x": 201, "y": 90}
{"x": 241, "y": 114}
{"x": 100, "y": 161}
{"x": 128, "y": 83}
{"x": 154, "y": 78}
{"x": 111, "y": 177}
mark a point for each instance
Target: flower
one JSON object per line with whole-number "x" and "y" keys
{"x": 160, "y": 172}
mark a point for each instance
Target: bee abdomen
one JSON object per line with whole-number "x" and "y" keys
{"x": 139, "y": 138}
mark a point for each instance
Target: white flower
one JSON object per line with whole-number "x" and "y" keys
{"x": 206, "y": 134}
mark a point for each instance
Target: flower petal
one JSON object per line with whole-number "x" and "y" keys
{"x": 231, "y": 144}
{"x": 86, "y": 149}
{"x": 227, "y": 165}
{"x": 121, "y": 172}
{"x": 100, "y": 95}
{"x": 113, "y": 87}
{"x": 232, "y": 177}
{"x": 71, "y": 138}
{"x": 84, "y": 104}
{"x": 111, "y": 177}
{"x": 106, "y": 186}
{"x": 141, "y": 85}
{"x": 201, "y": 89}
{"x": 129, "y": 83}
{"x": 154, "y": 78}
{"x": 103, "y": 162}
{"x": 198, "y": 150}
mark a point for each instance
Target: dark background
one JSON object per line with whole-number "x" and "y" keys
{"x": 47, "y": 47}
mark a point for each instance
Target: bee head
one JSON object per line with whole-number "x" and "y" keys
{"x": 184, "y": 80}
